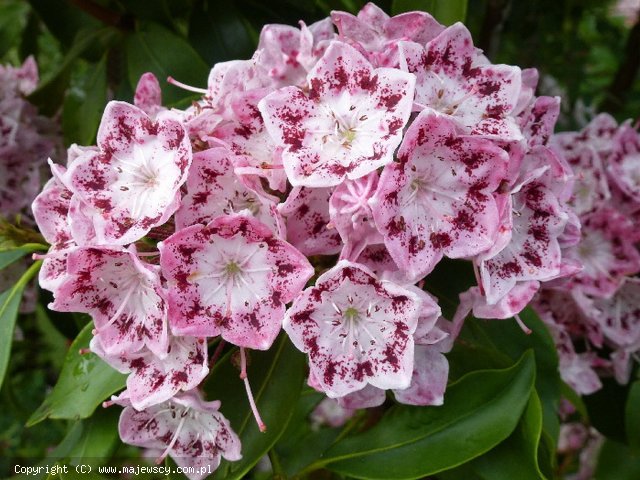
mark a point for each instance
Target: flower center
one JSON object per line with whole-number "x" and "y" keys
{"x": 351, "y": 314}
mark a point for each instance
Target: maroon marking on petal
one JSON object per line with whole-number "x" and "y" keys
{"x": 317, "y": 88}
{"x": 302, "y": 317}
{"x": 495, "y": 111}
{"x": 390, "y": 101}
{"x": 363, "y": 369}
{"x": 244, "y": 131}
{"x": 395, "y": 125}
{"x": 416, "y": 245}
{"x": 532, "y": 257}
{"x": 330, "y": 372}
{"x": 488, "y": 87}
{"x": 396, "y": 227}
{"x": 368, "y": 82}
{"x": 179, "y": 377}
{"x": 510, "y": 269}
{"x": 440, "y": 240}
{"x": 464, "y": 221}
{"x": 138, "y": 364}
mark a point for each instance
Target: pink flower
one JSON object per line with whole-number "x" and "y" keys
{"x": 348, "y": 124}
{"x": 374, "y": 30}
{"x": 153, "y": 380}
{"x": 123, "y": 296}
{"x": 624, "y": 162}
{"x": 148, "y": 96}
{"x": 607, "y": 252}
{"x": 436, "y": 200}
{"x": 451, "y": 79}
{"x": 133, "y": 182}
{"x": 213, "y": 189}
{"x": 191, "y": 431}
{"x": 306, "y": 212}
{"x": 233, "y": 278}
{"x": 355, "y": 329}
{"x": 351, "y": 215}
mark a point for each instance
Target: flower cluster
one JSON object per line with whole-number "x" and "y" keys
{"x": 600, "y": 306}
{"x": 25, "y": 139}
{"x": 384, "y": 147}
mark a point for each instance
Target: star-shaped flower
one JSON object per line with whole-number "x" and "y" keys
{"x": 214, "y": 189}
{"x": 122, "y": 294}
{"x": 153, "y": 380}
{"x": 355, "y": 329}
{"x": 133, "y": 182}
{"x": 348, "y": 124}
{"x": 373, "y": 29}
{"x": 191, "y": 431}
{"x": 437, "y": 199}
{"x": 452, "y": 80}
{"x": 233, "y": 278}
{"x": 306, "y": 211}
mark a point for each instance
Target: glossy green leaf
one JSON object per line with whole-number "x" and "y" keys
{"x": 303, "y": 443}
{"x": 617, "y": 462}
{"x": 480, "y": 411}
{"x": 155, "y": 49}
{"x": 84, "y": 104}
{"x": 50, "y": 93}
{"x": 62, "y": 19}
{"x": 9, "y": 304}
{"x": 84, "y": 383}
{"x": 276, "y": 378}
{"x": 91, "y": 439}
{"x": 13, "y": 18}
{"x": 219, "y": 32}
{"x": 517, "y": 456}
{"x": 446, "y": 12}
{"x": 606, "y": 409}
{"x": 632, "y": 417}
{"x": 509, "y": 338}
{"x": 7, "y": 257}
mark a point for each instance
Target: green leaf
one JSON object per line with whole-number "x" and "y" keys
{"x": 85, "y": 382}
{"x": 446, "y": 12}
{"x": 84, "y": 104}
{"x": 7, "y": 257}
{"x": 62, "y": 19}
{"x": 13, "y": 18}
{"x": 617, "y": 462}
{"x": 508, "y": 337}
{"x": 276, "y": 378}
{"x": 155, "y": 49}
{"x": 219, "y": 31}
{"x": 9, "y": 304}
{"x": 480, "y": 411}
{"x": 632, "y": 417}
{"x": 517, "y": 456}
{"x": 49, "y": 95}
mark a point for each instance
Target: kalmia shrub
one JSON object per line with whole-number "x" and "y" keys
{"x": 349, "y": 163}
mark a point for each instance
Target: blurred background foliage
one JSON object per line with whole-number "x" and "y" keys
{"x": 93, "y": 51}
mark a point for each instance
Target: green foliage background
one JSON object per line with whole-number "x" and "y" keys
{"x": 499, "y": 419}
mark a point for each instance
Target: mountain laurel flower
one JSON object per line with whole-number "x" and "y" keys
{"x": 191, "y": 431}
{"x": 233, "y": 278}
{"x": 355, "y": 329}
{"x": 348, "y": 124}
{"x": 133, "y": 181}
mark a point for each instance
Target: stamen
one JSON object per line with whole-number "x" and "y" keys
{"x": 173, "y": 440}
{"x": 252, "y": 402}
{"x": 216, "y": 354}
{"x": 184, "y": 86}
{"x": 521, "y": 324}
